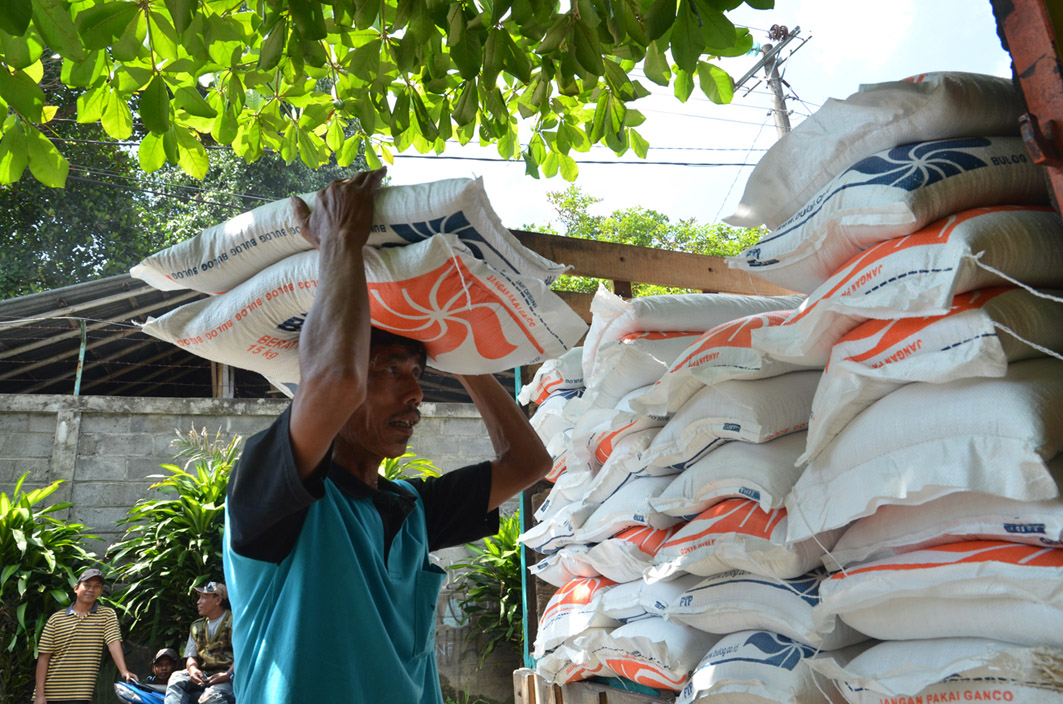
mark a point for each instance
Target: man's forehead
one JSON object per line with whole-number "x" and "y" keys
{"x": 97, "y": 581}
{"x": 394, "y": 353}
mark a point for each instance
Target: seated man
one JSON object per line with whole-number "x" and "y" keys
{"x": 207, "y": 676}
{"x": 162, "y": 667}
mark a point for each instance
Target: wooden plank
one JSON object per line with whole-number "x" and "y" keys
{"x": 524, "y": 686}
{"x": 645, "y": 265}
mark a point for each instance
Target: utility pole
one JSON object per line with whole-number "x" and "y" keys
{"x": 778, "y": 100}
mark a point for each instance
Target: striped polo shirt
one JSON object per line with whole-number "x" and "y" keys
{"x": 76, "y": 645}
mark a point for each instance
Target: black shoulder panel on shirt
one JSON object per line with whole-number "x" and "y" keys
{"x": 455, "y": 506}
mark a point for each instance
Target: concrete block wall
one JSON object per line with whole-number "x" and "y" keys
{"x": 106, "y": 448}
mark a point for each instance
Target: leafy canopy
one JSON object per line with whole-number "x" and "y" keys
{"x": 640, "y": 226}
{"x": 315, "y": 78}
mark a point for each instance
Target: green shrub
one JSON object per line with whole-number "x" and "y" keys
{"x": 493, "y": 601}
{"x": 174, "y": 543}
{"x": 407, "y": 466}
{"x": 41, "y": 557}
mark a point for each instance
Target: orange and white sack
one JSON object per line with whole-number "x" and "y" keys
{"x": 626, "y": 508}
{"x": 737, "y": 600}
{"x": 225, "y": 255}
{"x": 925, "y": 441}
{"x": 624, "y": 464}
{"x": 635, "y": 360}
{"x": 558, "y": 529}
{"x": 738, "y": 535}
{"x": 564, "y": 373}
{"x": 757, "y": 667}
{"x": 877, "y": 117}
{"x": 976, "y": 589}
{"x": 639, "y": 599}
{"x": 472, "y": 319}
{"x": 920, "y": 274}
{"x": 763, "y": 472}
{"x": 598, "y": 431}
{"x": 984, "y": 331}
{"x": 752, "y": 411}
{"x": 613, "y": 317}
{"x": 895, "y": 530}
{"x": 947, "y": 670}
{"x": 622, "y": 558}
{"x": 891, "y": 194}
{"x": 724, "y": 353}
{"x": 571, "y": 611}
{"x": 569, "y": 488}
{"x": 650, "y": 651}
{"x": 566, "y": 663}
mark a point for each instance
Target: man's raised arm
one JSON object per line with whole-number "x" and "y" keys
{"x": 521, "y": 460}
{"x": 334, "y": 342}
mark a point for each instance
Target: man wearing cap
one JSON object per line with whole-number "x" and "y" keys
{"x": 327, "y": 562}
{"x": 208, "y": 672}
{"x": 162, "y": 667}
{"x": 71, "y": 646}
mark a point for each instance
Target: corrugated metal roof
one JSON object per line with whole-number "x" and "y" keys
{"x": 41, "y": 337}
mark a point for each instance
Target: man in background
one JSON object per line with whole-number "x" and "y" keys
{"x": 207, "y": 676}
{"x": 71, "y": 646}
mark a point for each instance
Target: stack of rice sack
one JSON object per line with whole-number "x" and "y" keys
{"x": 914, "y": 219}
{"x": 440, "y": 267}
{"x": 666, "y": 532}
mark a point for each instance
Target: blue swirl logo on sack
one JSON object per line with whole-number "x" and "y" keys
{"x": 456, "y": 224}
{"x": 912, "y": 166}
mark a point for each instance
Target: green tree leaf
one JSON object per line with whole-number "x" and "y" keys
{"x": 191, "y": 156}
{"x": 52, "y": 19}
{"x": 273, "y": 46}
{"x": 117, "y": 118}
{"x": 101, "y": 24}
{"x": 639, "y": 145}
{"x": 151, "y": 154}
{"x": 684, "y": 85}
{"x": 20, "y": 52}
{"x": 687, "y": 38}
{"x": 309, "y": 18}
{"x": 717, "y": 85}
{"x": 190, "y": 100}
{"x": 22, "y": 93}
{"x": 155, "y": 106}
{"x": 660, "y": 18}
{"x": 182, "y": 12}
{"x": 15, "y": 16}
{"x": 46, "y": 163}
{"x": 14, "y": 155}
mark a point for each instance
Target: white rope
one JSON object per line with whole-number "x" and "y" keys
{"x": 1040, "y": 294}
{"x": 1039, "y": 348}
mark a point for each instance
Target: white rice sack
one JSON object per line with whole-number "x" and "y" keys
{"x": 737, "y": 600}
{"x": 558, "y": 447}
{"x": 638, "y": 599}
{"x": 566, "y": 663}
{"x": 472, "y": 319}
{"x": 624, "y": 464}
{"x": 622, "y": 558}
{"x": 984, "y": 331}
{"x": 978, "y": 589}
{"x": 891, "y": 194}
{"x": 763, "y": 472}
{"x": 571, "y": 611}
{"x": 650, "y": 651}
{"x": 549, "y": 420}
{"x": 738, "y": 534}
{"x": 625, "y": 556}
{"x": 948, "y": 670}
{"x": 557, "y": 530}
{"x": 920, "y": 274}
{"x": 613, "y": 317}
{"x": 756, "y": 667}
{"x": 752, "y": 411}
{"x": 635, "y": 360}
{"x": 626, "y": 508}
{"x": 563, "y": 566}
{"x": 225, "y": 255}
{"x": 724, "y": 353}
{"x": 968, "y": 515}
{"x": 564, "y": 374}
{"x": 569, "y": 488}
{"x": 877, "y": 117}
{"x": 925, "y": 441}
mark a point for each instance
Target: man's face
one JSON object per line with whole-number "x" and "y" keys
{"x": 207, "y": 602}
{"x": 383, "y": 425}
{"x": 89, "y": 591}
{"x": 163, "y": 668}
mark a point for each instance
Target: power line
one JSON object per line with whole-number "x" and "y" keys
{"x": 114, "y": 174}
{"x": 154, "y": 192}
{"x": 738, "y": 173}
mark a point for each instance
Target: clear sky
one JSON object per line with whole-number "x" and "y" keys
{"x": 849, "y": 42}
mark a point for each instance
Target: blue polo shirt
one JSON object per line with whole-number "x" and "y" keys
{"x": 332, "y": 591}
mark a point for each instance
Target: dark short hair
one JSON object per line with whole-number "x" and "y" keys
{"x": 381, "y": 338}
